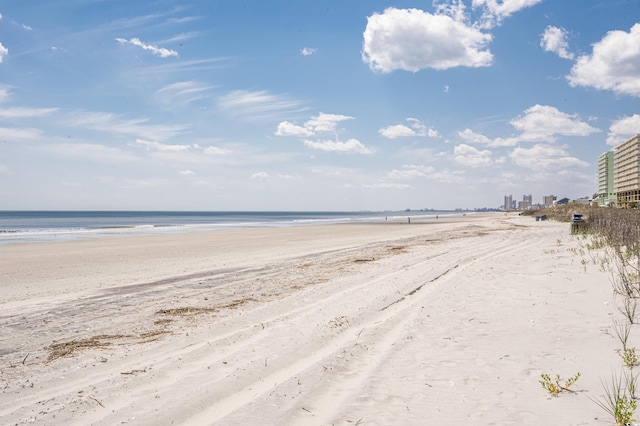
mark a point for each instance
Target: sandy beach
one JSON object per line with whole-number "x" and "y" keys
{"x": 437, "y": 322}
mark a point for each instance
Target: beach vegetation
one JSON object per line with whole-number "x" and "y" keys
{"x": 622, "y": 331}
{"x": 557, "y": 385}
{"x": 629, "y": 357}
{"x": 618, "y": 401}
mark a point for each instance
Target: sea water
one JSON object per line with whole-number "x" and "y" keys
{"x": 42, "y": 226}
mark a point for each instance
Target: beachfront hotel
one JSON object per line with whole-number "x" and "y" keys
{"x": 606, "y": 181}
{"x": 619, "y": 175}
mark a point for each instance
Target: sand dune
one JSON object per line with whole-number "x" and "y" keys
{"x": 438, "y": 322}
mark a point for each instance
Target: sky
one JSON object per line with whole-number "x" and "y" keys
{"x": 327, "y": 105}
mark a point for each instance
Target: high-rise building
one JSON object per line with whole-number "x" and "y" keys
{"x": 606, "y": 179}
{"x": 527, "y": 202}
{"x": 508, "y": 202}
{"x": 548, "y": 200}
{"x": 627, "y": 172}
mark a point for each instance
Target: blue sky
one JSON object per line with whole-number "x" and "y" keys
{"x": 300, "y": 105}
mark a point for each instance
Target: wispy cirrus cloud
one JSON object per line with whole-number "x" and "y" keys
{"x": 258, "y": 105}
{"x": 11, "y": 134}
{"x": 157, "y": 51}
{"x": 111, "y": 123}
{"x": 20, "y": 112}
{"x": 183, "y": 93}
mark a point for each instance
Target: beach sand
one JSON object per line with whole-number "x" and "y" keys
{"x": 437, "y": 322}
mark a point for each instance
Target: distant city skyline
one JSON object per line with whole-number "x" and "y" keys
{"x": 325, "y": 106}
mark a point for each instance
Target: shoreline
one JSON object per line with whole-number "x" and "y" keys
{"x": 452, "y": 322}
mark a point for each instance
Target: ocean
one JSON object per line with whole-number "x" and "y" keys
{"x": 43, "y": 226}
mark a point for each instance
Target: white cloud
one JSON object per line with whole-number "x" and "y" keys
{"x": 543, "y": 122}
{"x": 321, "y": 123}
{"x": 468, "y": 155}
{"x": 472, "y": 137}
{"x": 349, "y": 146}
{"x": 214, "y": 150}
{"x": 257, "y": 105}
{"x": 386, "y": 185}
{"x": 107, "y": 122}
{"x": 157, "y": 146}
{"x": 397, "y": 131}
{"x": 414, "y": 171}
{"x": 554, "y": 40}
{"x": 26, "y": 27}
{"x": 415, "y": 128}
{"x": 13, "y": 113}
{"x": 496, "y": 10}
{"x": 308, "y": 51}
{"x": 158, "y": 51}
{"x": 411, "y": 171}
{"x": 623, "y": 129}
{"x": 3, "y": 52}
{"x": 187, "y": 173}
{"x": 183, "y": 93}
{"x": 9, "y": 134}
{"x": 94, "y": 152}
{"x": 543, "y": 157}
{"x": 539, "y": 123}
{"x": 260, "y": 176}
{"x": 412, "y": 40}
{"x": 613, "y": 65}
{"x": 286, "y": 128}
{"x": 5, "y": 93}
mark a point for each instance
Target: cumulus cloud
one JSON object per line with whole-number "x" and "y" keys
{"x": 623, "y": 129}
{"x": 308, "y": 51}
{"x": 187, "y": 173}
{"x": 470, "y": 156}
{"x": 158, "y": 51}
{"x": 494, "y": 11}
{"x": 614, "y": 64}
{"x": 473, "y": 137}
{"x": 320, "y": 123}
{"x": 539, "y": 123}
{"x": 544, "y": 157}
{"x": 415, "y": 128}
{"x": 3, "y": 52}
{"x": 260, "y": 176}
{"x": 214, "y": 150}
{"x": 412, "y": 40}
{"x": 543, "y": 122}
{"x": 554, "y": 40}
{"x": 349, "y": 146}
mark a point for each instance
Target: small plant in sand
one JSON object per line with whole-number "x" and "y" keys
{"x": 629, "y": 357}
{"x": 622, "y": 329}
{"x": 618, "y": 402}
{"x": 557, "y": 385}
